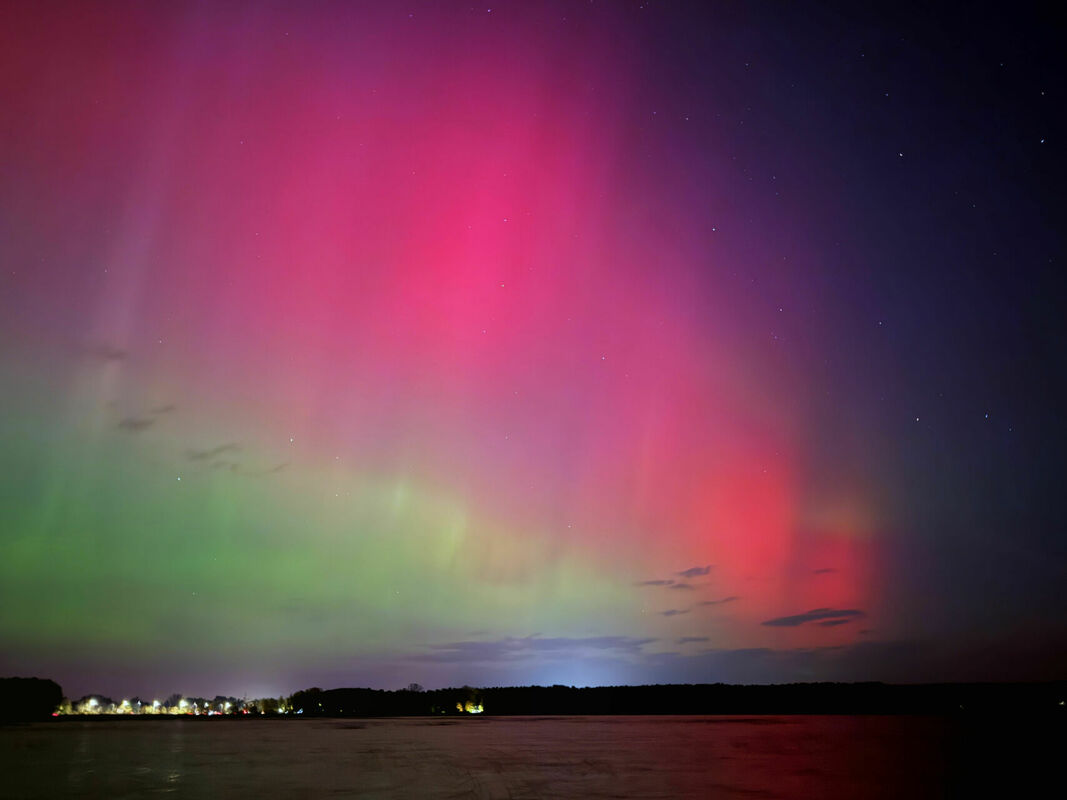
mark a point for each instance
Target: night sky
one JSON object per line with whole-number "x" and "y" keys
{"x": 578, "y": 342}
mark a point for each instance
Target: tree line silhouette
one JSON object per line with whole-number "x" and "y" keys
{"x": 27, "y": 699}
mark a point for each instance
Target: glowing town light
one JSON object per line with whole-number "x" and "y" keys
{"x": 93, "y": 703}
{"x": 155, "y": 704}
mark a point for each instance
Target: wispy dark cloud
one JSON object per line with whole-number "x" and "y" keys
{"x": 671, "y": 582}
{"x": 815, "y": 615}
{"x": 831, "y": 623}
{"x": 719, "y": 602}
{"x": 239, "y": 469}
{"x": 136, "y": 424}
{"x": 695, "y": 572}
{"x": 513, "y": 662}
{"x": 213, "y": 452}
{"x": 824, "y": 570}
{"x": 674, "y": 612}
{"x": 106, "y": 352}
{"x": 690, "y": 639}
{"x": 268, "y": 470}
{"x": 167, "y": 408}
{"x": 520, "y": 648}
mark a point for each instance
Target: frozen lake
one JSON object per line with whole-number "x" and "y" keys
{"x": 508, "y": 757}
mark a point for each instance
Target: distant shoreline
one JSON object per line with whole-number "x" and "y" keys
{"x": 612, "y": 701}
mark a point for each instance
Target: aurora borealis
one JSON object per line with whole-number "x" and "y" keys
{"x": 582, "y": 343}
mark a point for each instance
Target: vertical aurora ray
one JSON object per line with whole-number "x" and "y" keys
{"x": 377, "y": 344}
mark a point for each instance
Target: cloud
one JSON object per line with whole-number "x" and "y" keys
{"x": 136, "y": 424}
{"x": 616, "y": 661}
{"x": 729, "y": 599}
{"x": 674, "y": 612}
{"x": 521, "y": 648}
{"x": 106, "y": 352}
{"x": 689, "y": 639}
{"x": 268, "y": 470}
{"x": 814, "y": 615}
{"x": 830, "y": 623}
{"x": 695, "y": 572}
{"x": 671, "y": 582}
{"x": 824, "y": 570}
{"x": 236, "y": 467}
{"x": 212, "y": 452}
{"x": 567, "y": 661}
{"x": 164, "y": 409}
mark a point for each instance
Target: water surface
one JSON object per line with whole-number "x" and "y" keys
{"x": 509, "y": 757}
